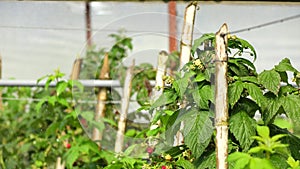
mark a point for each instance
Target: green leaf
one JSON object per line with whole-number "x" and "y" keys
{"x": 71, "y": 156}
{"x": 255, "y": 93}
{"x": 127, "y": 42}
{"x": 243, "y": 128}
{"x": 241, "y": 163}
{"x": 238, "y": 155}
{"x": 130, "y": 133}
{"x": 180, "y": 86}
{"x": 255, "y": 149}
{"x": 241, "y": 45}
{"x": 271, "y": 108}
{"x": 84, "y": 148}
{"x": 52, "y": 100}
{"x": 291, "y": 140}
{"x": 243, "y": 61}
{"x": 285, "y": 65}
{"x": 153, "y": 132}
{"x": 200, "y": 77}
{"x": 291, "y": 106}
{"x": 48, "y": 82}
{"x": 202, "y": 96}
{"x": 169, "y": 112}
{"x": 130, "y": 149}
{"x": 251, "y": 79}
{"x": 40, "y": 104}
{"x": 285, "y": 90}
{"x": 197, "y": 132}
{"x": 207, "y": 161}
{"x": 270, "y": 79}
{"x": 61, "y": 87}
{"x": 239, "y": 68}
{"x": 247, "y": 105}
{"x": 256, "y": 163}
{"x": 292, "y": 162}
{"x": 142, "y": 96}
{"x": 234, "y": 92}
{"x": 263, "y": 131}
{"x": 284, "y": 77}
{"x": 166, "y": 98}
{"x": 278, "y": 161}
{"x": 52, "y": 129}
{"x": 199, "y": 41}
{"x": 63, "y": 102}
{"x": 184, "y": 163}
{"x": 277, "y": 137}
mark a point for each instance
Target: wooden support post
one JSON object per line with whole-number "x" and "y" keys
{"x": 60, "y": 164}
{"x": 76, "y": 69}
{"x": 101, "y": 98}
{"x": 221, "y": 98}
{"x": 124, "y": 109}
{"x": 159, "y": 85}
{"x": 161, "y": 71}
{"x": 187, "y": 33}
{"x": 185, "y": 52}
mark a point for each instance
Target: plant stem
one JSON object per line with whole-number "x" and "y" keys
{"x": 268, "y": 155}
{"x": 1, "y": 160}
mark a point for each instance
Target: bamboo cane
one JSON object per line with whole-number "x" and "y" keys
{"x": 124, "y": 109}
{"x": 221, "y": 98}
{"x": 101, "y": 98}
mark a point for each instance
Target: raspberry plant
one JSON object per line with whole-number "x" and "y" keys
{"x": 33, "y": 134}
{"x": 190, "y": 100}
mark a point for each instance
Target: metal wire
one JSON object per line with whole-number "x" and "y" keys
{"x": 265, "y": 24}
{"x": 145, "y": 31}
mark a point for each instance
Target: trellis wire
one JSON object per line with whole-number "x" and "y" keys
{"x": 143, "y": 31}
{"x": 266, "y": 24}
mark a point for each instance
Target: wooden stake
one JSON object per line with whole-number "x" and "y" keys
{"x": 74, "y": 76}
{"x": 59, "y": 163}
{"x": 159, "y": 85}
{"x": 76, "y": 69}
{"x": 124, "y": 109}
{"x": 161, "y": 71}
{"x": 185, "y": 52}
{"x": 187, "y": 34}
{"x": 221, "y": 98}
{"x": 101, "y": 98}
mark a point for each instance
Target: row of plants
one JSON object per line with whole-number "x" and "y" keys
{"x": 56, "y": 122}
{"x": 253, "y": 142}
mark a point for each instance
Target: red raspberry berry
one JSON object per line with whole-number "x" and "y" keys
{"x": 68, "y": 145}
{"x": 163, "y": 167}
{"x": 150, "y": 150}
